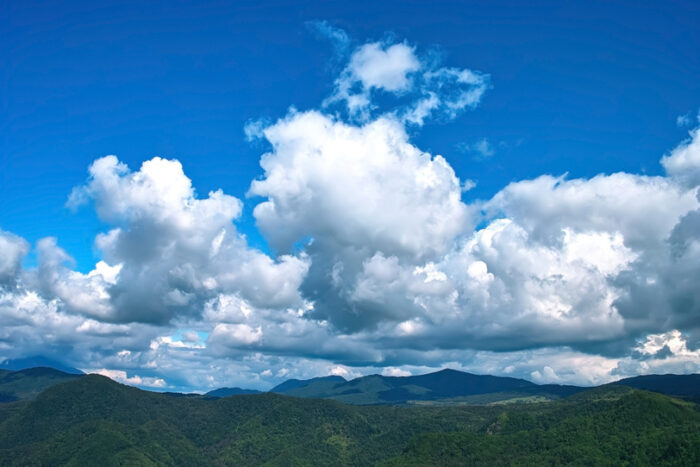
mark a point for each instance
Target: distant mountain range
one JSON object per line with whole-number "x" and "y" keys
{"x": 452, "y": 387}
{"x": 444, "y": 387}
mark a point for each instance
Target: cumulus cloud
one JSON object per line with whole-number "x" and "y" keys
{"x": 354, "y": 185}
{"x": 174, "y": 250}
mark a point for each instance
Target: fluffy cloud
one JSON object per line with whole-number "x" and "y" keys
{"x": 351, "y": 192}
{"x": 386, "y": 68}
{"x": 375, "y": 66}
{"x": 358, "y": 185}
{"x": 175, "y": 251}
{"x": 618, "y": 203}
{"x": 684, "y": 161}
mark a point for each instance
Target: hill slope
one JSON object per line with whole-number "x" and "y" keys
{"x": 612, "y": 427}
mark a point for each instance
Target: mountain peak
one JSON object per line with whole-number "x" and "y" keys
{"x": 300, "y": 383}
{"x": 38, "y": 361}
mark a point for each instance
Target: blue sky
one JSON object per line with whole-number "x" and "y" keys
{"x": 575, "y": 88}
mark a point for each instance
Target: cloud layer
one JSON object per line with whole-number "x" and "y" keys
{"x": 379, "y": 264}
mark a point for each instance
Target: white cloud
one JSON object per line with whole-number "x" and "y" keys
{"x": 420, "y": 87}
{"x": 237, "y": 334}
{"x": 174, "y": 250}
{"x": 383, "y": 67}
{"x": 672, "y": 340}
{"x": 326, "y": 179}
{"x": 642, "y": 209}
{"x": 684, "y": 161}
{"x": 482, "y": 149}
{"x": 375, "y": 66}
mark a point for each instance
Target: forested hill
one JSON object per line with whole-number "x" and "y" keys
{"x": 28, "y": 383}
{"x": 93, "y": 419}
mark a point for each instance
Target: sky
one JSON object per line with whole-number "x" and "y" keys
{"x": 200, "y": 194}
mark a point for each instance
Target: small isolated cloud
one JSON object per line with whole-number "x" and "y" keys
{"x": 687, "y": 119}
{"x": 338, "y": 37}
{"x": 684, "y": 120}
{"x": 421, "y": 88}
{"x": 481, "y": 149}
{"x": 468, "y": 185}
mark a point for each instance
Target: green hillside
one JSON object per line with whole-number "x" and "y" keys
{"x": 94, "y": 419}
{"x": 604, "y": 427}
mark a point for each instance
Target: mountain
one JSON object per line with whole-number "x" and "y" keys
{"x": 37, "y": 361}
{"x": 225, "y": 392}
{"x": 94, "y": 418}
{"x": 28, "y": 383}
{"x": 675, "y": 385}
{"x": 292, "y": 384}
{"x": 445, "y": 386}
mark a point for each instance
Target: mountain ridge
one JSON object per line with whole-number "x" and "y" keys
{"x": 443, "y": 387}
